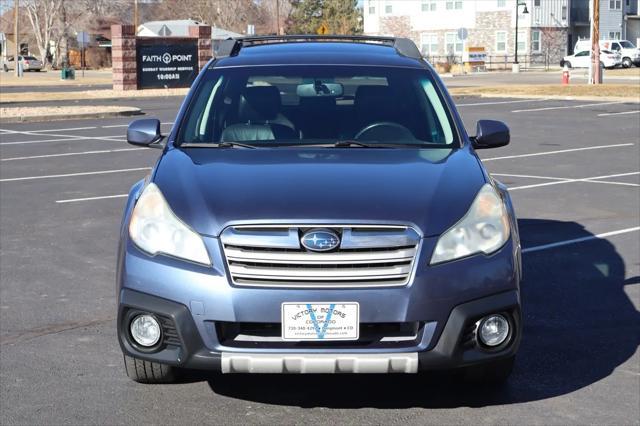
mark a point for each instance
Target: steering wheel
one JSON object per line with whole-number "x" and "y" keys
{"x": 384, "y": 130}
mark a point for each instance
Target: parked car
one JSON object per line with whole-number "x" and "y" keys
{"x": 319, "y": 208}
{"x": 29, "y": 63}
{"x": 608, "y": 59}
{"x": 629, "y": 52}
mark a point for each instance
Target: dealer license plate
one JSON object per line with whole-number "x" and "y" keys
{"x": 320, "y": 321}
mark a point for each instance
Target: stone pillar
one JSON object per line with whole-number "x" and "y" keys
{"x": 203, "y": 34}
{"x": 123, "y": 61}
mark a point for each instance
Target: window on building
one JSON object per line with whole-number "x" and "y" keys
{"x": 453, "y": 44}
{"x": 501, "y": 41}
{"x": 615, "y": 4}
{"x": 564, "y": 12}
{"x": 522, "y": 41}
{"x": 502, "y": 3}
{"x": 428, "y": 5}
{"x": 535, "y": 41}
{"x": 536, "y": 3}
{"x": 429, "y": 44}
{"x": 388, "y": 8}
{"x": 372, "y": 10}
{"x": 614, "y": 35}
{"x": 453, "y": 4}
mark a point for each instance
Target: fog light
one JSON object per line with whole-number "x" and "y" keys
{"x": 493, "y": 330}
{"x": 145, "y": 330}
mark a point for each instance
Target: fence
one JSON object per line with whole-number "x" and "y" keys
{"x": 495, "y": 62}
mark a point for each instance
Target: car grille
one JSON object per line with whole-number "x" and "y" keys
{"x": 379, "y": 256}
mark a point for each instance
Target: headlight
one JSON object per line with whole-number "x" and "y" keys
{"x": 484, "y": 229}
{"x": 155, "y": 229}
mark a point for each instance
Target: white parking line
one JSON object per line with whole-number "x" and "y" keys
{"x": 502, "y": 102}
{"x": 69, "y": 138}
{"x": 75, "y": 200}
{"x": 101, "y": 172}
{"x": 70, "y": 129}
{"x": 535, "y": 154}
{"x": 68, "y": 154}
{"x": 592, "y": 179}
{"x": 579, "y": 240}
{"x": 567, "y": 107}
{"x": 607, "y": 114}
{"x": 564, "y": 179}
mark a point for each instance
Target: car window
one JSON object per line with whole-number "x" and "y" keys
{"x": 615, "y": 46}
{"x": 304, "y": 105}
{"x": 583, "y": 53}
{"x": 30, "y": 58}
{"x": 627, "y": 44}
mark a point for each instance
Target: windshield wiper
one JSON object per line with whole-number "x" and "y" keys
{"x": 234, "y": 144}
{"x": 349, "y": 143}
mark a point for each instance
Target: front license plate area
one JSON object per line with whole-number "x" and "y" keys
{"x": 320, "y": 321}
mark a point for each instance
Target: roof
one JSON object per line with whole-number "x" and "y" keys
{"x": 175, "y": 28}
{"x": 222, "y": 34}
{"x": 320, "y": 52}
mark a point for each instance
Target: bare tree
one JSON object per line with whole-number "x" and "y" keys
{"x": 232, "y": 15}
{"x": 43, "y": 16}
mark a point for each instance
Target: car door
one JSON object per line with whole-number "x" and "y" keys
{"x": 581, "y": 59}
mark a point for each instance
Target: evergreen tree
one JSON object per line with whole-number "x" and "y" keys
{"x": 339, "y": 16}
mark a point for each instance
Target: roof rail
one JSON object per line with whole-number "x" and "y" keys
{"x": 404, "y": 46}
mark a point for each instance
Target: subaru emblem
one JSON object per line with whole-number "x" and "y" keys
{"x": 320, "y": 240}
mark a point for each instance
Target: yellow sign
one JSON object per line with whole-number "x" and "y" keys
{"x": 322, "y": 29}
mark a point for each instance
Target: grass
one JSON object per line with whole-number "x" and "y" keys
{"x": 627, "y": 91}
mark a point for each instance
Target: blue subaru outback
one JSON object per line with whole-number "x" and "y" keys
{"x": 318, "y": 208}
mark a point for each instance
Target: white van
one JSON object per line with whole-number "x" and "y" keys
{"x": 630, "y": 53}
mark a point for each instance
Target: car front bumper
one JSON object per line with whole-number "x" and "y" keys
{"x": 446, "y": 300}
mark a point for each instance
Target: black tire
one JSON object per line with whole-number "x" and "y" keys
{"x": 568, "y": 64}
{"x": 562, "y": 63}
{"x": 494, "y": 373}
{"x": 626, "y": 62}
{"x": 148, "y": 372}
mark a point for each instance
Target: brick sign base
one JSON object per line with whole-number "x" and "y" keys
{"x": 152, "y": 62}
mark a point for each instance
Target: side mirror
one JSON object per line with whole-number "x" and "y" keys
{"x": 490, "y": 134}
{"x": 145, "y": 132}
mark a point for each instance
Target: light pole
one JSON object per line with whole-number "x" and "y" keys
{"x": 524, "y": 12}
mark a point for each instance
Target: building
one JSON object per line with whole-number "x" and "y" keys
{"x": 439, "y": 27}
{"x": 546, "y": 33}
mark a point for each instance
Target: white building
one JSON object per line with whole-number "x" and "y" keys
{"x": 436, "y": 26}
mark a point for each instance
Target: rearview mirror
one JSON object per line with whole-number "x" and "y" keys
{"x": 319, "y": 89}
{"x": 490, "y": 134}
{"x": 145, "y": 132}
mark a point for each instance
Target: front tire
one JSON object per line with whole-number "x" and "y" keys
{"x": 493, "y": 373}
{"x": 626, "y": 62}
{"x": 568, "y": 64}
{"x": 142, "y": 371}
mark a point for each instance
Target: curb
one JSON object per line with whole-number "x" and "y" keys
{"x": 551, "y": 97}
{"x": 59, "y": 117}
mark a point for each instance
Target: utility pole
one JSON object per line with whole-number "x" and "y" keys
{"x": 16, "y": 38}
{"x": 277, "y": 17}
{"x": 135, "y": 15}
{"x": 595, "y": 44}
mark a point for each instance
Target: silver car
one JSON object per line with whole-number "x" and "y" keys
{"x": 29, "y": 63}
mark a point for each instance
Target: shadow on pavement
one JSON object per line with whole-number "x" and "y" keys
{"x": 579, "y": 325}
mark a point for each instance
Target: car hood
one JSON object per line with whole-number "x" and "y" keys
{"x": 212, "y": 188}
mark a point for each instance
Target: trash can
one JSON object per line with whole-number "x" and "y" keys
{"x": 67, "y": 74}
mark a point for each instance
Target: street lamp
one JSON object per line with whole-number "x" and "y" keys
{"x": 524, "y": 12}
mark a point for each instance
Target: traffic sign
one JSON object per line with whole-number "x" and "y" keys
{"x": 322, "y": 29}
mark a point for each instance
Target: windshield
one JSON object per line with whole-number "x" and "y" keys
{"x": 627, "y": 44}
{"x": 311, "y": 105}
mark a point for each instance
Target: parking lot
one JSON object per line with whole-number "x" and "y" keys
{"x": 573, "y": 168}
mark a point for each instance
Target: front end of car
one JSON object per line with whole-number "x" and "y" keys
{"x": 319, "y": 296}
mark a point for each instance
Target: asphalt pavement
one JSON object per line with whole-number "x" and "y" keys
{"x": 573, "y": 169}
